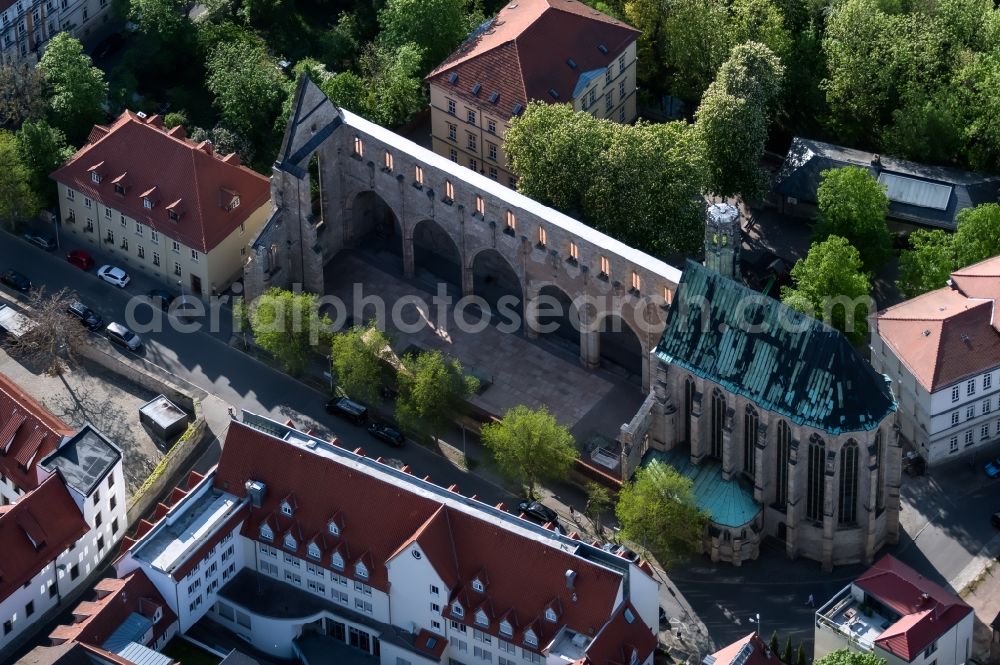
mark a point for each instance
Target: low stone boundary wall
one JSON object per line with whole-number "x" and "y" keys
{"x": 145, "y": 374}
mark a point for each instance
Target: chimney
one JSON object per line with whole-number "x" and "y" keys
{"x": 178, "y": 132}
{"x": 206, "y": 147}
{"x": 256, "y": 490}
{"x": 570, "y": 578}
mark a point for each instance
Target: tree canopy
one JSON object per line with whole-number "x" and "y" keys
{"x": 830, "y": 285}
{"x": 435, "y": 26}
{"x": 25, "y": 94}
{"x": 42, "y": 149}
{"x": 289, "y": 327}
{"x": 928, "y": 263}
{"x": 584, "y": 166}
{"x": 852, "y": 204}
{"x": 978, "y": 235}
{"x": 78, "y": 88}
{"x": 247, "y": 85}
{"x": 849, "y": 657}
{"x": 657, "y": 510}
{"x": 359, "y": 357}
{"x": 18, "y": 202}
{"x": 431, "y": 388}
{"x": 530, "y": 446}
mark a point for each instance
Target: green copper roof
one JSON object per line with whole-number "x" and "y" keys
{"x": 727, "y": 502}
{"x": 783, "y": 361}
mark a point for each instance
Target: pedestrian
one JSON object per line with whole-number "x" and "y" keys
{"x": 811, "y": 602}
{"x": 572, "y": 513}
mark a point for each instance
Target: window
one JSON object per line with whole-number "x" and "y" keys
{"x": 574, "y": 252}
{"x": 451, "y": 107}
{"x": 177, "y": 269}
{"x": 970, "y": 387}
{"x": 114, "y": 526}
{"x": 449, "y": 190}
{"x": 314, "y": 551}
{"x": 608, "y": 74}
{"x": 849, "y": 483}
{"x": 592, "y": 97}
{"x": 494, "y": 174}
{"x": 88, "y": 203}
{"x": 986, "y": 406}
{"x": 621, "y": 113}
{"x": 815, "y": 482}
{"x": 491, "y": 150}
{"x": 954, "y": 417}
{"x": 511, "y": 222}
{"x": 471, "y": 142}
{"x": 361, "y": 587}
{"x": 194, "y": 255}
{"x": 470, "y": 116}
{"x": 435, "y": 608}
{"x": 491, "y": 126}
{"x": 970, "y": 412}
{"x": 333, "y": 528}
{"x": 97, "y": 496}
{"x": 954, "y": 393}
{"x": 457, "y": 610}
{"x": 138, "y": 227}
{"x": 474, "y": 165}
{"x": 8, "y": 626}
{"x": 542, "y": 237}
{"x": 931, "y": 648}
{"x": 95, "y": 177}
{"x": 453, "y": 155}
{"x": 750, "y": 422}
{"x": 107, "y": 215}
{"x": 29, "y": 609}
{"x": 156, "y": 258}
{"x": 361, "y": 570}
{"x": 337, "y": 561}
{"x": 605, "y": 271}
{"x": 70, "y": 194}
{"x": 387, "y": 160}
{"x": 460, "y": 645}
{"x": 609, "y": 101}
{"x": 359, "y": 147}
{"x": 363, "y": 605}
{"x": 98, "y": 520}
{"x": 74, "y": 572}
{"x": 621, "y": 90}
{"x": 176, "y": 246}
{"x": 621, "y": 63}
{"x": 266, "y": 533}
{"x": 987, "y": 381}
{"x": 985, "y": 432}
{"x": 142, "y": 252}
{"x": 968, "y": 438}
{"x": 418, "y": 175}
{"x": 953, "y": 444}
{"x": 100, "y": 544}
{"x": 154, "y": 236}
{"x": 718, "y": 423}
{"x": 483, "y": 654}
{"x": 530, "y": 639}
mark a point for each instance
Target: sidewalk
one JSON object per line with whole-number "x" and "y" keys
{"x": 985, "y": 600}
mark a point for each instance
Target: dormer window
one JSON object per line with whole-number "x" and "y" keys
{"x": 95, "y": 177}
{"x": 333, "y": 528}
{"x": 119, "y": 189}
{"x": 457, "y": 610}
{"x": 550, "y": 615}
{"x": 233, "y": 204}
{"x": 506, "y": 628}
{"x": 172, "y": 215}
{"x": 337, "y": 561}
{"x": 287, "y": 509}
{"x": 266, "y": 533}
{"x": 290, "y": 542}
{"x": 361, "y": 570}
{"x": 482, "y": 619}
{"x": 477, "y": 586}
{"x": 147, "y": 203}
{"x": 530, "y": 638}
{"x": 314, "y": 551}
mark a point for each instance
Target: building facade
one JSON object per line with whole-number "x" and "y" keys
{"x": 942, "y": 350}
{"x": 780, "y": 404}
{"x": 64, "y": 509}
{"x": 296, "y": 544}
{"x": 184, "y": 217}
{"x": 560, "y": 52}
{"x": 896, "y": 614}
{"x": 26, "y": 26}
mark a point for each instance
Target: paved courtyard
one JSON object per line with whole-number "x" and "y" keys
{"x": 88, "y": 393}
{"x": 515, "y": 369}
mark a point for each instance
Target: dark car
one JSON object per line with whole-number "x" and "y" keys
{"x": 160, "y": 298}
{"x": 87, "y": 316}
{"x": 16, "y": 280}
{"x": 537, "y": 512}
{"x": 46, "y": 242}
{"x": 385, "y": 433}
{"x": 995, "y": 520}
{"x": 345, "y": 408}
{"x": 120, "y": 334}
{"x": 622, "y": 551}
{"x": 81, "y": 259}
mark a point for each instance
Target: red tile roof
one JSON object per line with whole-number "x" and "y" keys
{"x": 760, "y": 653}
{"x": 35, "y": 530}
{"x": 523, "y": 52}
{"x": 177, "y": 173}
{"x": 430, "y": 643}
{"x": 946, "y": 335}
{"x": 379, "y": 517}
{"x": 928, "y": 611}
{"x": 116, "y": 600}
{"x": 28, "y": 432}
{"x": 621, "y": 638}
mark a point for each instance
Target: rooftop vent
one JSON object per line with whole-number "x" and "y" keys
{"x": 476, "y": 87}
{"x": 965, "y": 338}
{"x": 927, "y": 333}
{"x": 140, "y": 114}
{"x": 554, "y": 93}
{"x": 494, "y": 96}
{"x": 629, "y": 616}
{"x": 256, "y": 490}
{"x": 602, "y": 48}
{"x": 571, "y": 62}
{"x": 453, "y": 78}
{"x": 570, "y": 578}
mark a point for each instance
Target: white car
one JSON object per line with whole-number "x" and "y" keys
{"x": 114, "y": 275}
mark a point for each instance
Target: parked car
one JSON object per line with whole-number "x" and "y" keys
{"x": 87, "y": 316}
{"x": 119, "y": 334}
{"x": 16, "y": 280}
{"x": 537, "y": 512}
{"x": 993, "y": 468}
{"x": 160, "y": 298}
{"x": 81, "y": 259}
{"x": 995, "y": 520}
{"x": 345, "y": 408}
{"x": 621, "y": 550}
{"x": 46, "y": 242}
{"x": 114, "y": 275}
{"x": 388, "y": 434}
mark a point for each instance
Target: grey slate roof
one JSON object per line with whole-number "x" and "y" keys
{"x": 781, "y": 360}
{"x": 85, "y": 460}
{"x": 807, "y": 159}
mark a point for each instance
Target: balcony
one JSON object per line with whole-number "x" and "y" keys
{"x": 858, "y": 622}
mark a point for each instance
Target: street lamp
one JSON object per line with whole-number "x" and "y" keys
{"x": 756, "y": 620}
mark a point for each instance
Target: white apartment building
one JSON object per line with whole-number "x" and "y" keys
{"x": 26, "y": 26}
{"x": 161, "y": 204}
{"x": 942, "y": 351}
{"x": 303, "y": 548}
{"x": 896, "y": 614}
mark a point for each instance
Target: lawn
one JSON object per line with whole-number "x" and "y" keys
{"x": 183, "y": 651}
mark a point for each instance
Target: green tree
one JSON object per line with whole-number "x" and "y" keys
{"x": 786, "y": 653}
{"x": 657, "y": 509}
{"x": 24, "y": 94}
{"x": 289, "y": 327}
{"x": 175, "y": 119}
{"x": 698, "y": 42}
{"x": 529, "y": 447}
{"x": 78, "y": 88}
{"x": 927, "y": 128}
{"x": 162, "y": 19}
{"x": 977, "y": 84}
{"x": 394, "y": 81}
{"x": 733, "y": 121}
{"x": 42, "y": 149}
{"x": 800, "y": 655}
{"x": 978, "y": 234}
{"x": 830, "y": 285}
{"x": 649, "y": 17}
{"x": 761, "y": 21}
{"x": 773, "y": 642}
{"x": 359, "y": 356}
{"x": 17, "y": 200}
{"x": 848, "y": 657}
{"x": 852, "y": 204}
{"x": 247, "y": 85}
{"x": 431, "y": 390}
{"x": 436, "y": 26}
{"x": 598, "y": 503}
{"x": 928, "y": 263}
